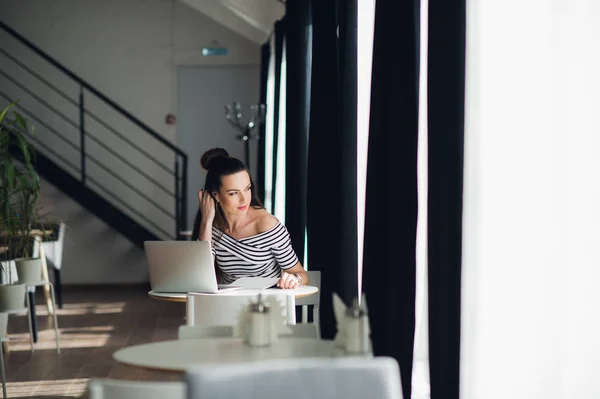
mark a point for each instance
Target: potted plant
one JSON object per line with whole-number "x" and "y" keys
{"x": 19, "y": 193}
{"x": 12, "y": 296}
{"x": 29, "y": 269}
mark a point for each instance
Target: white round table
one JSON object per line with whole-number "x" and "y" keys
{"x": 168, "y": 296}
{"x": 178, "y": 355}
{"x": 300, "y": 292}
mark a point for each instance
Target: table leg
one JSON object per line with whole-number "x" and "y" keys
{"x": 32, "y": 314}
{"x": 45, "y": 277}
{"x": 58, "y": 288}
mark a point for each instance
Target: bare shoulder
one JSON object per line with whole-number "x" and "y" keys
{"x": 265, "y": 221}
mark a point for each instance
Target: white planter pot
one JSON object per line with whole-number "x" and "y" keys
{"x": 29, "y": 271}
{"x": 12, "y": 297}
{"x": 3, "y": 324}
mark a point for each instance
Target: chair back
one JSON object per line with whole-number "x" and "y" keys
{"x": 53, "y": 249}
{"x": 122, "y": 389}
{"x": 314, "y": 378}
{"x": 8, "y": 269}
{"x": 193, "y": 332}
{"x": 314, "y": 279}
{"x": 223, "y": 309}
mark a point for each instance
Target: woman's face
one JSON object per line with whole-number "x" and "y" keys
{"x": 235, "y": 193}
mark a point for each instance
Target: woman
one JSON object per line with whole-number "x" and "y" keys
{"x": 247, "y": 241}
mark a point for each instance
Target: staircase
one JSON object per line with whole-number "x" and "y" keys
{"x": 95, "y": 151}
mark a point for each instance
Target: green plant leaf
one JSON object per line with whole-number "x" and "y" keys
{"x": 20, "y": 120}
{"x": 19, "y": 182}
{"x": 10, "y": 174}
{"x": 5, "y": 110}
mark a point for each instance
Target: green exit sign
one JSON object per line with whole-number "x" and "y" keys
{"x": 209, "y": 51}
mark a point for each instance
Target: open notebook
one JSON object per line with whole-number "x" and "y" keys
{"x": 255, "y": 283}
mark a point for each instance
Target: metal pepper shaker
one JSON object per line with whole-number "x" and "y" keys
{"x": 357, "y": 329}
{"x": 260, "y": 324}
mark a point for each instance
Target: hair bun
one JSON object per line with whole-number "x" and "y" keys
{"x": 211, "y": 155}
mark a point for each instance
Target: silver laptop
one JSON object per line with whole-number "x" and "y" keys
{"x": 182, "y": 266}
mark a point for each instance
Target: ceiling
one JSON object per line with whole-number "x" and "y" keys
{"x": 252, "y": 19}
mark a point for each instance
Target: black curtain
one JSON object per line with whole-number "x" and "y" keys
{"x": 389, "y": 270}
{"x": 331, "y": 196}
{"x": 298, "y": 49}
{"x": 279, "y": 40}
{"x": 265, "y": 55}
{"x": 324, "y": 223}
{"x": 347, "y": 98}
{"x": 446, "y": 88}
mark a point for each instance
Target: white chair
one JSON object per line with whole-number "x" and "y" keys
{"x": 308, "y": 330}
{"x": 121, "y": 389}
{"x": 5, "y": 266}
{"x": 223, "y": 309}
{"x": 54, "y": 255}
{"x": 314, "y": 279}
{"x": 32, "y": 285}
{"x": 42, "y": 282}
{"x": 193, "y": 332}
{"x": 17, "y": 310}
{"x": 4, "y": 339}
{"x": 314, "y": 378}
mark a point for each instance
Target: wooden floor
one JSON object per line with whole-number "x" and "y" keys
{"x": 94, "y": 323}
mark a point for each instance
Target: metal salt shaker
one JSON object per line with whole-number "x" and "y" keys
{"x": 260, "y": 324}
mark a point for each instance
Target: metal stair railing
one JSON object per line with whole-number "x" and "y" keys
{"x": 89, "y": 159}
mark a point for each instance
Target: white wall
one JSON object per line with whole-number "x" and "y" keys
{"x": 201, "y": 122}
{"x": 252, "y": 19}
{"x": 93, "y": 252}
{"x": 130, "y": 51}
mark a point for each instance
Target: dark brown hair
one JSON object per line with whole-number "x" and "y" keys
{"x": 218, "y": 163}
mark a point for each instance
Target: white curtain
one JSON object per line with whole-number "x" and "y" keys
{"x": 420, "y": 376}
{"x": 279, "y": 184}
{"x": 269, "y": 128}
{"x": 365, "y": 31}
{"x": 531, "y": 267}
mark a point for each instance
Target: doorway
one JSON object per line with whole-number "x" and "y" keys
{"x": 202, "y": 93}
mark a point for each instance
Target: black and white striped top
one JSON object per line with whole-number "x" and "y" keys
{"x": 261, "y": 255}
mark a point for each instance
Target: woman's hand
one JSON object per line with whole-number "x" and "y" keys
{"x": 288, "y": 281}
{"x": 207, "y": 206}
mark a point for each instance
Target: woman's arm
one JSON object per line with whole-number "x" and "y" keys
{"x": 206, "y": 212}
{"x": 205, "y": 233}
{"x": 293, "y": 277}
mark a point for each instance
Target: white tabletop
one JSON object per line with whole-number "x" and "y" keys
{"x": 178, "y": 355}
{"x": 300, "y": 292}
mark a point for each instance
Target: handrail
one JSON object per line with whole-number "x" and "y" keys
{"x": 129, "y": 207}
{"x": 90, "y": 136}
{"x": 38, "y": 76}
{"x": 181, "y": 160}
{"x": 89, "y": 87}
{"x": 40, "y": 122}
{"x": 74, "y": 103}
